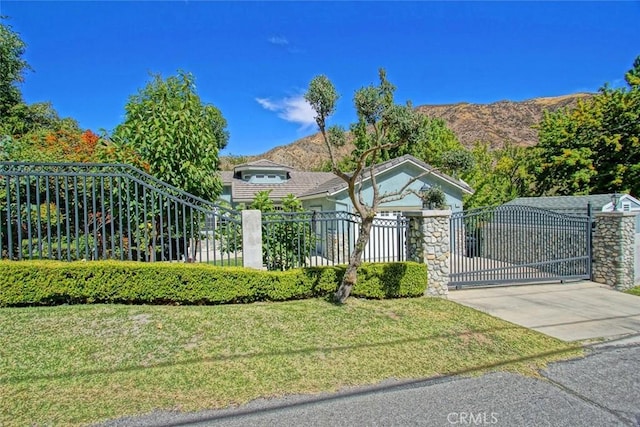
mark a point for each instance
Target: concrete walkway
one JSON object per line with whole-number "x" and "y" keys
{"x": 570, "y": 311}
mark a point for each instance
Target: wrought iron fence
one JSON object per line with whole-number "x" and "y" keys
{"x": 327, "y": 238}
{"x": 74, "y": 211}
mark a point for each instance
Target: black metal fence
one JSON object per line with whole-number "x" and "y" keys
{"x": 518, "y": 244}
{"x": 75, "y": 211}
{"x": 327, "y": 238}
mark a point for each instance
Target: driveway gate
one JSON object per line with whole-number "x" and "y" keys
{"x": 518, "y": 244}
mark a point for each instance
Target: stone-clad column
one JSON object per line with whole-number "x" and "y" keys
{"x": 429, "y": 242}
{"x": 614, "y": 249}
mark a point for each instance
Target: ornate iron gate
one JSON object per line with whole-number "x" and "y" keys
{"x": 518, "y": 244}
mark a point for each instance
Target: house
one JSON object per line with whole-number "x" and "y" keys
{"x": 324, "y": 191}
{"x": 330, "y": 211}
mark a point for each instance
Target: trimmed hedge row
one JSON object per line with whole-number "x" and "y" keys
{"x": 51, "y": 282}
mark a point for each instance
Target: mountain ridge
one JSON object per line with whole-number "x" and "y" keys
{"x": 496, "y": 123}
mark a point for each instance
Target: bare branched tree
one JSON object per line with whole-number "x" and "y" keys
{"x": 381, "y": 127}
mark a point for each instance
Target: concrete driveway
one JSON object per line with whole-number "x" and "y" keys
{"x": 570, "y": 311}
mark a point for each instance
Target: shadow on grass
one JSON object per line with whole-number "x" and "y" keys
{"x": 230, "y": 413}
{"x": 302, "y": 351}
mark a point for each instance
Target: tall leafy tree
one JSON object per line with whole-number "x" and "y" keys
{"x": 169, "y": 131}
{"x": 12, "y": 68}
{"x": 497, "y": 175}
{"x": 594, "y": 147}
{"x": 436, "y": 145}
{"x": 382, "y": 126}
{"x": 33, "y": 132}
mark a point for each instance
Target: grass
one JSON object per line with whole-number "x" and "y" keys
{"x": 634, "y": 291}
{"x": 224, "y": 262}
{"x": 72, "y": 365}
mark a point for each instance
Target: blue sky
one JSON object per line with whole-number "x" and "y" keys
{"x": 253, "y": 60}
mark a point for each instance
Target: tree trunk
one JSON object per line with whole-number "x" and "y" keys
{"x": 355, "y": 259}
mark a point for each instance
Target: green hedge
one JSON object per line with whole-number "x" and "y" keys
{"x": 52, "y": 282}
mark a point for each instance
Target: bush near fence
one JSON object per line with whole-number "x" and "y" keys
{"x": 26, "y": 283}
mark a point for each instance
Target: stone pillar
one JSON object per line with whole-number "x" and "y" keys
{"x": 614, "y": 249}
{"x": 252, "y": 239}
{"x": 429, "y": 242}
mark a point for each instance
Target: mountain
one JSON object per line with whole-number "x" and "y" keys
{"x": 499, "y": 121}
{"x": 495, "y": 123}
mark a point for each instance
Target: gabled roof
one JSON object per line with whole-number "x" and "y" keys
{"x": 576, "y": 204}
{"x": 299, "y": 183}
{"x": 314, "y": 184}
{"x": 337, "y": 185}
{"x": 262, "y": 164}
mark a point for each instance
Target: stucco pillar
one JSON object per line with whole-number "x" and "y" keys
{"x": 429, "y": 243}
{"x": 614, "y": 249}
{"x": 252, "y": 239}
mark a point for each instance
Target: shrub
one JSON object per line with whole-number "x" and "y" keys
{"x": 53, "y": 282}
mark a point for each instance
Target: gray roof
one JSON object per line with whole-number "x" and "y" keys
{"x": 565, "y": 203}
{"x": 298, "y": 184}
{"x": 336, "y": 185}
{"x": 262, "y": 164}
{"x": 308, "y": 184}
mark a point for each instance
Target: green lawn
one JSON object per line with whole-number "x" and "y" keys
{"x": 226, "y": 262}
{"x": 70, "y": 365}
{"x": 634, "y": 291}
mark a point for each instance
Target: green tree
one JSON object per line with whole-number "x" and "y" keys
{"x": 594, "y": 147}
{"x": 262, "y": 201}
{"x": 382, "y": 127}
{"x": 287, "y": 234}
{"x": 12, "y": 68}
{"x": 30, "y": 132}
{"x": 435, "y": 145}
{"x": 497, "y": 176}
{"x": 172, "y": 134}
{"x": 456, "y": 161}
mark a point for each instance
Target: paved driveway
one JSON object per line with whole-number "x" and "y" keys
{"x": 570, "y": 311}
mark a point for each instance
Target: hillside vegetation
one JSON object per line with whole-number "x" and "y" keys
{"x": 495, "y": 123}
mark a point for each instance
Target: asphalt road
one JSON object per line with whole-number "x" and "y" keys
{"x": 602, "y": 389}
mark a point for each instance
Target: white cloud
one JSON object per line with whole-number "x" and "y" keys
{"x": 293, "y": 109}
{"x": 267, "y": 104}
{"x": 278, "y": 40}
